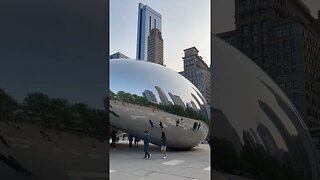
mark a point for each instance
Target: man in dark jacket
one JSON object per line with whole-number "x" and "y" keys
{"x": 146, "y": 141}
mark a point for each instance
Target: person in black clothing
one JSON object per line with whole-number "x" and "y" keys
{"x": 151, "y": 123}
{"x": 130, "y": 138}
{"x": 195, "y": 125}
{"x": 177, "y": 122}
{"x": 163, "y": 144}
{"x": 199, "y": 125}
{"x": 160, "y": 124}
{"x": 113, "y": 137}
{"x": 136, "y": 140}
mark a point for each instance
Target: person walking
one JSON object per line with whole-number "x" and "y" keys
{"x": 151, "y": 123}
{"x": 199, "y": 125}
{"x": 160, "y": 124}
{"x": 177, "y": 122}
{"x": 136, "y": 140}
{"x": 130, "y": 138}
{"x": 146, "y": 139}
{"x": 113, "y": 138}
{"x": 163, "y": 144}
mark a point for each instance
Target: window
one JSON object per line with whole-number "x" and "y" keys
{"x": 294, "y": 84}
{"x": 291, "y": 30}
{"x": 278, "y": 33}
{"x": 265, "y": 36}
{"x": 285, "y": 44}
{"x": 278, "y": 57}
{"x": 285, "y": 56}
{"x": 255, "y": 51}
{"x": 294, "y": 67}
{"x": 243, "y": 2}
{"x": 254, "y": 38}
{"x": 287, "y": 85}
{"x": 291, "y": 43}
{"x": 254, "y": 28}
{"x": 284, "y": 31}
{"x": 286, "y": 69}
{"x": 244, "y": 29}
{"x": 264, "y": 25}
{"x": 278, "y": 44}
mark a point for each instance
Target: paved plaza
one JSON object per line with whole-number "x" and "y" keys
{"x": 179, "y": 165}
{"x": 70, "y": 157}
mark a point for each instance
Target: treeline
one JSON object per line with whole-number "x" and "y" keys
{"x": 54, "y": 113}
{"x": 173, "y": 109}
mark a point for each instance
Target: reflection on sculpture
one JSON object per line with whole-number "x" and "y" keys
{"x": 141, "y": 92}
{"x": 255, "y": 125}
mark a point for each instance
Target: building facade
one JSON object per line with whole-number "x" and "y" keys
{"x": 155, "y": 47}
{"x": 197, "y": 71}
{"x": 148, "y": 19}
{"x": 118, "y": 55}
{"x": 282, "y": 37}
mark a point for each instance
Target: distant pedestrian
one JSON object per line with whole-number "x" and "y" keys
{"x": 130, "y": 138}
{"x": 136, "y": 142}
{"x": 151, "y": 123}
{"x": 195, "y": 125}
{"x": 123, "y": 136}
{"x": 163, "y": 144}
{"x": 114, "y": 138}
{"x": 177, "y": 122}
{"x": 199, "y": 125}
{"x": 181, "y": 120}
{"x": 146, "y": 139}
{"x": 160, "y": 124}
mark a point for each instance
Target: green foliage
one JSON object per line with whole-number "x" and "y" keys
{"x": 173, "y": 109}
{"x": 58, "y": 113}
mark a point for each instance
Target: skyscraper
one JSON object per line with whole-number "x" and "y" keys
{"x": 155, "y": 47}
{"x": 148, "y": 19}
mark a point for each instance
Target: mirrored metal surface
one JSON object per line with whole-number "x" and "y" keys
{"x": 148, "y": 96}
{"x": 261, "y": 127}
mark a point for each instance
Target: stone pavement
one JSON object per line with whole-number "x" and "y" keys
{"x": 179, "y": 165}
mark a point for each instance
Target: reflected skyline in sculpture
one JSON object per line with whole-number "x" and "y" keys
{"x": 258, "y": 120}
{"x": 149, "y": 92}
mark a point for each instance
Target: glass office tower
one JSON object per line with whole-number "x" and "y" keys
{"x": 147, "y": 19}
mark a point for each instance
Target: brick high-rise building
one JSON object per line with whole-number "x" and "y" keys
{"x": 197, "y": 71}
{"x": 155, "y": 47}
{"x": 283, "y": 38}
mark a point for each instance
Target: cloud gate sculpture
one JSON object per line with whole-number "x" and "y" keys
{"x": 254, "y": 118}
{"x": 148, "y": 96}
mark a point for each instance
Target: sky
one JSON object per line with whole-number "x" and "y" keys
{"x": 223, "y": 13}
{"x": 185, "y": 23}
{"x": 56, "y": 47}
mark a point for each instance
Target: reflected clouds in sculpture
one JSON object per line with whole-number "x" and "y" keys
{"x": 142, "y": 91}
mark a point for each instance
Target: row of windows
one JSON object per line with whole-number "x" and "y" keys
{"x": 287, "y": 85}
{"x": 312, "y": 113}
{"x": 285, "y": 31}
{"x": 254, "y": 40}
{"x": 287, "y": 69}
{"x": 313, "y": 63}
{"x": 312, "y": 74}
{"x": 286, "y": 56}
{"x": 311, "y": 50}
{"x": 254, "y": 27}
{"x": 250, "y": 2}
{"x": 285, "y": 43}
{"x": 309, "y": 87}
{"x": 311, "y": 39}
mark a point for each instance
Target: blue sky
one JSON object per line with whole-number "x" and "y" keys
{"x": 185, "y": 23}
